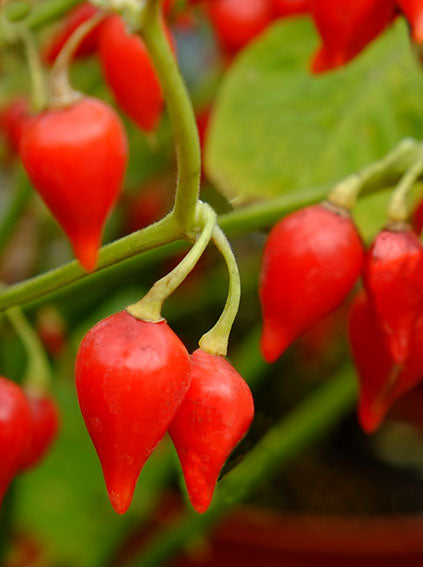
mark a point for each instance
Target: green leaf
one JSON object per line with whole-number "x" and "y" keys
{"x": 277, "y": 128}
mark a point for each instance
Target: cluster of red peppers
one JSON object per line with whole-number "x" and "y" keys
{"x": 311, "y": 262}
{"x": 135, "y": 381}
{"x": 89, "y": 132}
{"x": 29, "y": 422}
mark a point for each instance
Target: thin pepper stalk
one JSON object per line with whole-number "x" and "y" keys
{"x": 215, "y": 341}
{"x": 38, "y": 373}
{"x": 180, "y": 111}
{"x": 400, "y": 159}
{"x": 149, "y": 308}
{"x": 168, "y": 230}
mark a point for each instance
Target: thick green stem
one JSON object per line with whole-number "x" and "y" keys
{"x": 216, "y": 340}
{"x": 38, "y": 373}
{"x": 299, "y": 430}
{"x": 60, "y": 91}
{"x": 168, "y": 229}
{"x": 163, "y": 232}
{"x": 180, "y": 111}
{"x": 150, "y": 306}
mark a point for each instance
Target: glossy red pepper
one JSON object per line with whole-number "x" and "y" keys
{"x": 285, "y": 8}
{"x": 393, "y": 277}
{"x": 131, "y": 377}
{"x": 77, "y": 16}
{"x": 130, "y": 74}
{"x": 15, "y": 426}
{"x": 311, "y": 260}
{"x": 237, "y": 22}
{"x": 413, "y": 11}
{"x": 44, "y": 426}
{"x": 346, "y": 28}
{"x": 76, "y": 157}
{"x": 382, "y": 381}
{"x": 213, "y": 417}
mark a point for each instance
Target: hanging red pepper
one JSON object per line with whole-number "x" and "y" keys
{"x": 346, "y": 28}
{"x": 131, "y": 377}
{"x": 214, "y": 416}
{"x": 130, "y": 74}
{"x": 15, "y": 427}
{"x": 311, "y": 260}
{"x": 75, "y": 157}
{"x": 382, "y": 381}
{"x": 393, "y": 277}
{"x": 44, "y": 426}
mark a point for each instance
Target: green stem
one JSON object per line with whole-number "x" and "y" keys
{"x": 38, "y": 373}
{"x": 216, "y": 340}
{"x": 180, "y": 111}
{"x": 299, "y": 430}
{"x": 60, "y": 91}
{"x": 400, "y": 159}
{"x": 398, "y": 209}
{"x": 38, "y": 87}
{"x": 163, "y": 232}
{"x": 168, "y": 229}
{"x": 150, "y": 306}
{"x": 18, "y": 201}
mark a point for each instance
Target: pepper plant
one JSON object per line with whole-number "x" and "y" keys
{"x": 279, "y": 117}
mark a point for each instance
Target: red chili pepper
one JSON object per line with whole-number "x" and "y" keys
{"x": 346, "y": 28}
{"x": 213, "y": 417}
{"x": 44, "y": 426}
{"x": 77, "y": 16}
{"x": 285, "y": 8}
{"x": 76, "y": 157}
{"x": 237, "y": 22}
{"x": 131, "y": 377}
{"x": 311, "y": 260}
{"x": 130, "y": 74}
{"x": 382, "y": 381}
{"x": 393, "y": 277}
{"x": 413, "y": 11}
{"x": 15, "y": 426}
